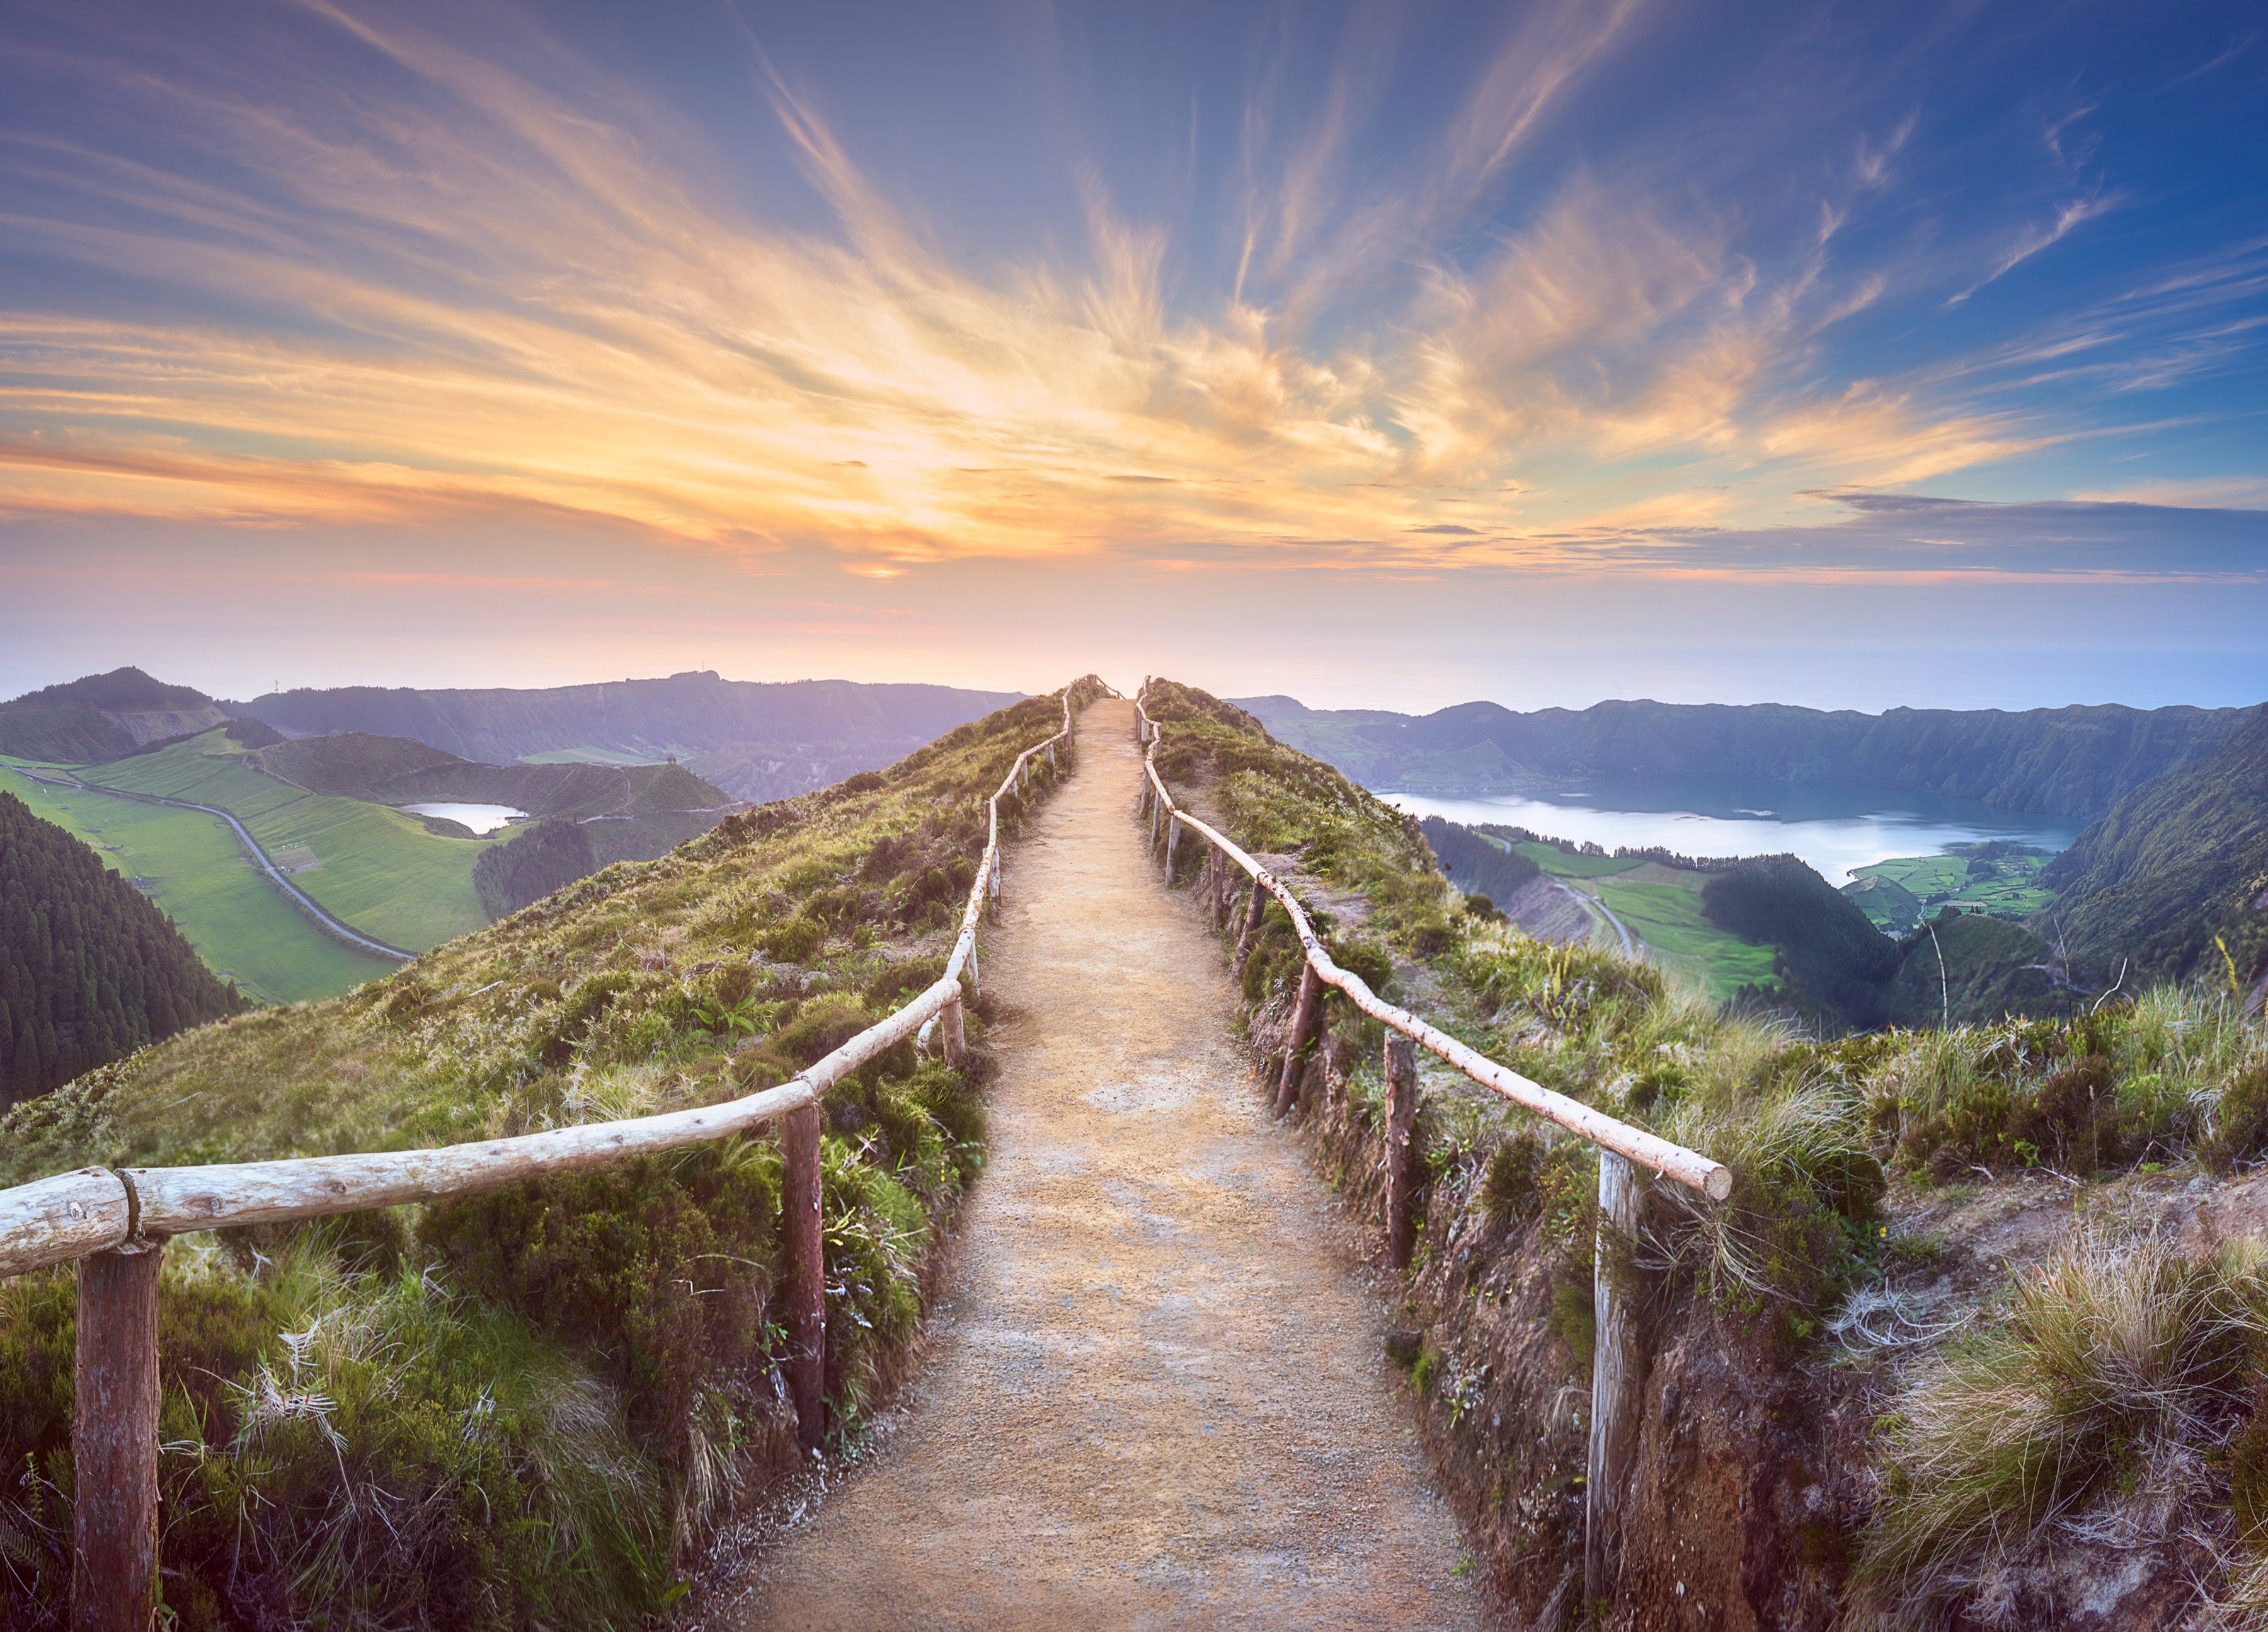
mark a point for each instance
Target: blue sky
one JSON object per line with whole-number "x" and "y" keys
{"x": 1840, "y": 354}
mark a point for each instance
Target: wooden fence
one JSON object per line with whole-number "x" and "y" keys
{"x": 114, "y": 1223}
{"x": 1615, "y": 1373}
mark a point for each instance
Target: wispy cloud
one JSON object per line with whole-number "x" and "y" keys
{"x": 492, "y": 283}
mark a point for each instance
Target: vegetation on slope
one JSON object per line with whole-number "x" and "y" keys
{"x": 1830, "y": 957}
{"x": 1997, "y": 876}
{"x": 2093, "y": 1398}
{"x": 2075, "y": 761}
{"x": 1479, "y": 865}
{"x": 100, "y": 717}
{"x": 89, "y": 970}
{"x": 2174, "y": 881}
{"x": 526, "y": 1408}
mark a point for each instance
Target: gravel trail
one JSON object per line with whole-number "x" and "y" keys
{"x": 1157, "y": 1398}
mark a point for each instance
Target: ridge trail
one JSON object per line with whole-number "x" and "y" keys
{"x": 1157, "y": 1396}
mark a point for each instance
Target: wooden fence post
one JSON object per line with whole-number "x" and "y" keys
{"x": 1251, "y": 924}
{"x": 1614, "y": 1378}
{"x": 1401, "y": 1149}
{"x": 807, "y": 1270}
{"x": 1214, "y": 880}
{"x": 114, "y": 1442}
{"x": 1172, "y": 837}
{"x": 1304, "y": 1015}
{"x": 956, "y": 1036}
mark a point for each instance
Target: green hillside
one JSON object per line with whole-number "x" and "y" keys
{"x": 593, "y": 1356}
{"x": 193, "y": 866}
{"x": 1662, "y": 907}
{"x": 2177, "y": 865}
{"x": 89, "y": 970}
{"x": 378, "y": 870}
{"x": 1996, "y": 877}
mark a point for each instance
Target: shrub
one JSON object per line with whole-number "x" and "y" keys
{"x": 2117, "y": 1362}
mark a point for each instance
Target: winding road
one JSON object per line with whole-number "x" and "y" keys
{"x": 298, "y": 897}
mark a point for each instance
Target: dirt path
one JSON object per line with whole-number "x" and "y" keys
{"x": 1158, "y": 1400}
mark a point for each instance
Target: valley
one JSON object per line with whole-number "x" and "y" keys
{"x": 192, "y": 866}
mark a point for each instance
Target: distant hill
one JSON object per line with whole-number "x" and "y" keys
{"x": 89, "y": 970}
{"x": 755, "y": 739}
{"x": 2175, "y": 864}
{"x": 2067, "y": 761}
{"x": 102, "y": 717}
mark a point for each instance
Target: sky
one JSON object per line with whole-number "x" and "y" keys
{"x": 1380, "y": 355}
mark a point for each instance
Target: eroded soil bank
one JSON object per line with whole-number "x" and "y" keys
{"x": 1157, "y": 1398}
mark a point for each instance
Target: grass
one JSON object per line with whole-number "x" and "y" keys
{"x": 2005, "y": 886}
{"x": 618, "y": 1334}
{"x": 1572, "y": 863}
{"x": 381, "y": 872}
{"x": 1661, "y": 905}
{"x": 2113, "y": 1399}
{"x": 240, "y": 923}
{"x": 2099, "y": 1400}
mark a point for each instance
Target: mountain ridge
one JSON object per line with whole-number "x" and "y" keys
{"x": 2071, "y": 761}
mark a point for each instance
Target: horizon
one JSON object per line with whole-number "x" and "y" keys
{"x": 1236, "y": 696}
{"x": 1380, "y": 357}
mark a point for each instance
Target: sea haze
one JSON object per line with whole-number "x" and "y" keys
{"x": 1834, "y": 830}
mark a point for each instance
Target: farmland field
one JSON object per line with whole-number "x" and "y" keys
{"x": 2006, "y": 886}
{"x": 196, "y": 871}
{"x": 378, "y": 870}
{"x": 1662, "y": 906}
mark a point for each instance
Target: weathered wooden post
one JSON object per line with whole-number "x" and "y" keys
{"x": 1214, "y": 870}
{"x": 956, "y": 1036}
{"x": 114, "y": 1442}
{"x": 807, "y": 1270}
{"x": 1615, "y": 1400}
{"x": 1304, "y": 1015}
{"x": 1172, "y": 837}
{"x": 1401, "y": 1149}
{"x": 1251, "y": 924}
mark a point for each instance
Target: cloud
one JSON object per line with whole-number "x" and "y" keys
{"x": 1919, "y": 537}
{"x": 2075, "y": 213}
{"x": 502, "y": 281}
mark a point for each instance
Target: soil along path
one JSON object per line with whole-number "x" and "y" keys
{"x": 1157, "y": 1399}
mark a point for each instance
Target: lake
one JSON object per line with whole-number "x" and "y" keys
{"x": 482, "y": 819}
{"x": 1835, "y": 830}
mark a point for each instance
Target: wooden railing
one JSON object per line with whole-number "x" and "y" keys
{"x": 1614, "y": 1371}
{"x": 114, "y": 1223}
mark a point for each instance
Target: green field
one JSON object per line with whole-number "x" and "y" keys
{"x": 1568, "y": 864}
{"x": 195, "y": 870}
{"x": 1662, "y": 907}
{"x": 2008, "y": 888}
{"x": 375, "y": 869}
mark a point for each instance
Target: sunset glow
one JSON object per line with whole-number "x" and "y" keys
{"x": 568, "y": 309}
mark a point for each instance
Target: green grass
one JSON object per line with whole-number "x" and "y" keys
{"x": 1662, "y": 906}
{"x": 2011, "y": 890}
{"x": 546, "y": 1395}
{"x": 379, "y": 870}
{"x": 1568, "y": 864}
{"x": 239, "y": 924}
